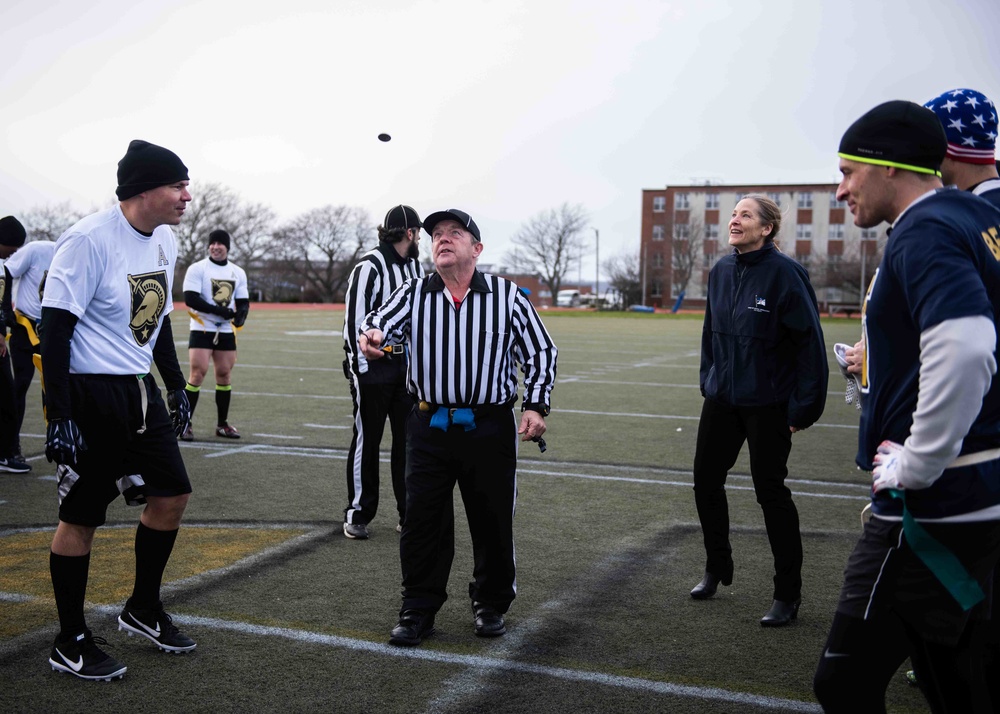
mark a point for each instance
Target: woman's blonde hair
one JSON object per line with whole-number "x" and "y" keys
{"x": 768, "y": 212}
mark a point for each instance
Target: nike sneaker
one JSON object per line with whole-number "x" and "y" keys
{"x": 14, "y": 465}
{"x": 156, "y": 626}
{"x": 227, "y": 432}
{"x": 80, "y": 656}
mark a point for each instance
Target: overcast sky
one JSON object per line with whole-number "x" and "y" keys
{"x": 502, "y": 108}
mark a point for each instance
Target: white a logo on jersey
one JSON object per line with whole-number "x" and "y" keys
{"x": 162, "y": 260}
{"x": 149, "y": 297}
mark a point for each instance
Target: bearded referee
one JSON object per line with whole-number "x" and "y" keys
{"x": 105, "y": 320}
{"x": 378, "y": 383}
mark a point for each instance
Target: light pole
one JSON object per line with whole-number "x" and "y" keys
{"x": 597, "y": 269}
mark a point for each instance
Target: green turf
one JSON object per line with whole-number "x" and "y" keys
{"x": 608, "y": 547}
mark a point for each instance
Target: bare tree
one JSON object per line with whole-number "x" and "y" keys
{"x": 50, "y": 221}
{"x": 844, "y": 273}
{"x": 623, "y": 277}
{"x": 549, "y": 245}
{"x": 322, "y": 245}
{"x": 212, "y": 206}
{"x": 686, "y": 251}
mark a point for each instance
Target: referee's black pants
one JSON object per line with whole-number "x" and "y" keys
{"x": 372, "y": 405}
{"x": 483, "y": 463}
{"x": 721, "y": 432}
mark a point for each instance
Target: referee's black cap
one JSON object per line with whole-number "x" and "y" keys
{"x": 452, "y": 214}
{"x": 401, "y": 217}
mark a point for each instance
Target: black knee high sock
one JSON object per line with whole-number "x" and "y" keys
{"x": 152, "y": 551}
{"x": 193, "y": 393}
{"x": 223, "y": 394}
{"x": 69, "y": 583}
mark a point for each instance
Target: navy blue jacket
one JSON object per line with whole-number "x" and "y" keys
{"x": 762, "y": 343}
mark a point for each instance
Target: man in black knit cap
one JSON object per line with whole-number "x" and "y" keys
{"x": 215, "y": 291}
{"x": 105, "y": 320}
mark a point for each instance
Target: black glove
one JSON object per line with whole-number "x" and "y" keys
{"x": 180, "y": 410}
{"x": 241, "y": 317}
{"x": 63, "y": 441}
{"x": 228, "y": 313}
{"x": 9, "y": 319}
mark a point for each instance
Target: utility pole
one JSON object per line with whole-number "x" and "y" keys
{"x": 597, "y": 269}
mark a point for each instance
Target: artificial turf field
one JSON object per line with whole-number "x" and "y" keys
{"x": 291, "y": 616}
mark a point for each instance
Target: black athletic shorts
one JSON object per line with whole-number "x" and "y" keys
{"x": 884, "y": 576}
{"x": 200, "y": 340}
{"x": 118, "y": 458}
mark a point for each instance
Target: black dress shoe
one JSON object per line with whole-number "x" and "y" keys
{"x": 709, "y": 584}
{"x": 488, "y": 621}
{"x": 413, "y": 627}
{"x": 781, "y": 613}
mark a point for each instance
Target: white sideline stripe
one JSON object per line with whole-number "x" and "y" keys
{"x": 490, "y": 663}
{"x": 640, "y": 415}
{"x": 279, "y": 436}
{"x": 326, "y": 426}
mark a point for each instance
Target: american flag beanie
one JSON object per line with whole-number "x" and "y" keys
{"x": 969, "y": 119}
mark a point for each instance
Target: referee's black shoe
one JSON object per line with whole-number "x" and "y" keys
{"x": 488, "y": 620}
{"x": 413, "y": 627}
{"x": 80, "y": 656}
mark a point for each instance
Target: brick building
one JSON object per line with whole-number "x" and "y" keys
{"x": 817, "y": 230}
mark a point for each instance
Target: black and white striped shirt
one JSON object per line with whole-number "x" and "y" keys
{"x": 468, "y": 355}
{"x": 376, "y": 276}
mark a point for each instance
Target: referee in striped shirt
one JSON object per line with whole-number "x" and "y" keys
{"x": 378, "y": 383}
{"x": 466, "y": 332}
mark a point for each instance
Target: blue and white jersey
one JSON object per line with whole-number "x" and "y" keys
{"x": 940, "y": 264}
{"x": 118, "y": 284}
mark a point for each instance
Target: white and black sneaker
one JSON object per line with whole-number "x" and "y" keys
{"x": 156, "y": 626}
{"x": 80, "y": 656}
{"x": 13, "y": 464}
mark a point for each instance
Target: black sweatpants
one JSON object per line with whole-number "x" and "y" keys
{"x": 21, "y": 351}
{"x": 483, "y": 463}
{"x": 10, "y": 436}
{"x": 372, "y": 406}
{"x": 721, "y": 433}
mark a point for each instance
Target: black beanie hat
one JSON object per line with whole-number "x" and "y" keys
{"x": 219, "y": 236}
{"x": 11, "y": 232}
{"x": 897, "y": 133}
{"x": 147, "y": 166}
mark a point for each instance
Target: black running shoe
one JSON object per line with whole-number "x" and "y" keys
{"x": 156, "y": 626}
{"x": 80, "y": 656}
{"x": 14, "y": 465}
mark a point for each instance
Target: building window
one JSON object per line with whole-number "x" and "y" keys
{"x": 836, "y": 231}
{"x": 682, "y": 231}
{"x": 658, "y": 232}
{"x": 659, "y": 203}
{"x": 709, "y": 257}
{"x": 833, "y": 261}
{"x": 657, "y": 260}
{"x": 712, "y": 232}
{"x": 712, "y": 201}
{"x": 869, "y": 234}
{"x": 803, "y": 259}
{"x": 834, "y": 203}
{"x": 656, "y": 289}
{"x": 803, "y": 231}
{"x": 682, "y": 201}
{"x": 776, "y": 197}
{"x": 805, "y": 200}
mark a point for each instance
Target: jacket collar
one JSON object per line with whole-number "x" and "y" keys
{"x": 389, "y": 251}
{"x": 478, "y": 285}
{"x": 754, "y": 256}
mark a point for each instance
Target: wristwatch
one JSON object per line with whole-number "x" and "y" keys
{"x": 542, "y": 409}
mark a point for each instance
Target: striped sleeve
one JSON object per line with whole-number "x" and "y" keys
{"x": 535, "y": 351}
{"x": 362, "y": 284}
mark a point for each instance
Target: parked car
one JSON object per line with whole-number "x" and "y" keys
{"x": 568, "y": 298}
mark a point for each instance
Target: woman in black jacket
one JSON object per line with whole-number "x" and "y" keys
{"x": 764, "y": 376}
